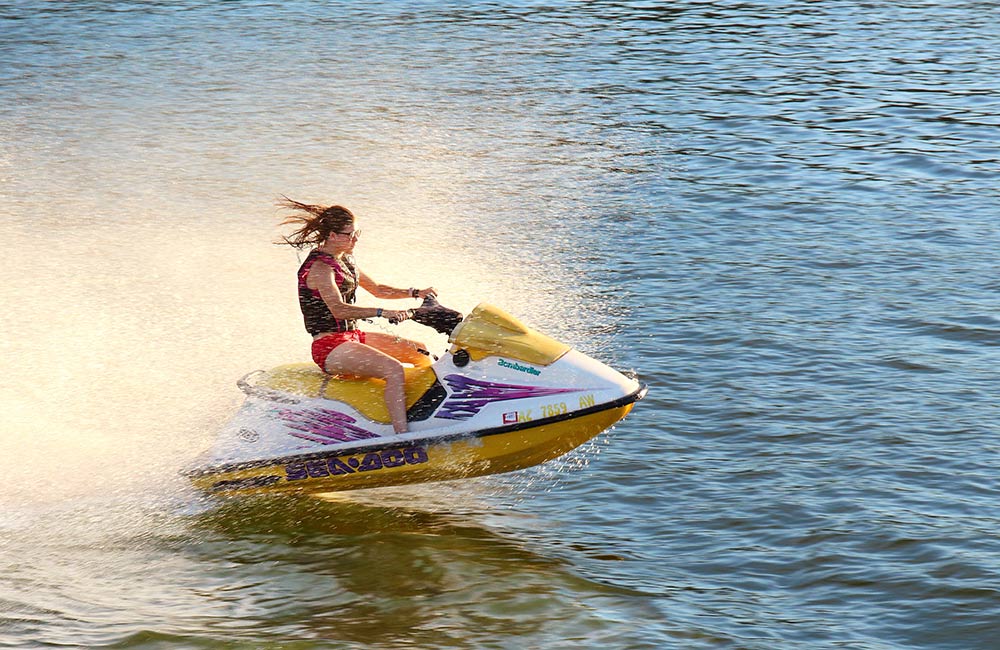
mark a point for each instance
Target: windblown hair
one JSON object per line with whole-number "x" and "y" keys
{"x": 315, "y": 222}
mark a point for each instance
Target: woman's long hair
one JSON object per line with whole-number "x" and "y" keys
{"x": 315, "y": 222}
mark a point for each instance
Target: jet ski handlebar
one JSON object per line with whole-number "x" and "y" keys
{"x": 397, "y": 321}
{"x": 436, "y": 316}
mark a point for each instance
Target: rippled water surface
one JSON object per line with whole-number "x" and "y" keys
{"x": 783, "y": 215}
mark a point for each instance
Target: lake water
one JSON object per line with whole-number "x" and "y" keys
{"x": 783, "y": 215}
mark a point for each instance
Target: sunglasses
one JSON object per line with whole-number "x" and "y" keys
{"x": 354, "y": 234}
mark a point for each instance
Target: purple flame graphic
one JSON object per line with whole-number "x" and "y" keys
{"x": 469, "y": 396}
{"x": 324, "y": 426}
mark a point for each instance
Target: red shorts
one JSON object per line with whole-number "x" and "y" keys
{"x": 324, "y": 345}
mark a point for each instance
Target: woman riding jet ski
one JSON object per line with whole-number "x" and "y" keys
{"x": 503, "y": 398}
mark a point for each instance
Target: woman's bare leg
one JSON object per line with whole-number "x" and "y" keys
{"x": 353, "y": 358}
{"x": 401, "y": 349}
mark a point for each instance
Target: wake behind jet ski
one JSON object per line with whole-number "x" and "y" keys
{"x": 503, "y": 397}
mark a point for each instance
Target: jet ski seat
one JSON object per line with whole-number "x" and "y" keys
{"x": 365, "y": 394}
{"x": 487, "y": 331}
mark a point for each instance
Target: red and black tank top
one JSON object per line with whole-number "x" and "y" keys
{"x": 315, "y": 313}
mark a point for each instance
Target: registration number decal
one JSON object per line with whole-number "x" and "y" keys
{"x": 552, "y": 410}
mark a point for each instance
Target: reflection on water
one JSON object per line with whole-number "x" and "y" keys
{"x": 265, "y": 570}
{"x": 391, "y": 574}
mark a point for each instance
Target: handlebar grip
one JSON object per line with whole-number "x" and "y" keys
{"x": 397, "y": 321}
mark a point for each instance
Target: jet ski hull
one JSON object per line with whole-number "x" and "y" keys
{"x": 503, "y": 398}
{"x": 401, "y": 462}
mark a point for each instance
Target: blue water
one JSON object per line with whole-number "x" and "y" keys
{"x": 783, "y": 215}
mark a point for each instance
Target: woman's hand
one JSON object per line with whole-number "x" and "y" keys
{"x": 398, "y": 315}
{"x": 429, "y": 291}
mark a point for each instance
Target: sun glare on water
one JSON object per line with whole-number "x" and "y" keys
{"x": 124, "y": 335}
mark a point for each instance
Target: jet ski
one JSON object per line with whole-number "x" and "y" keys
{"x": 503, "y": 397}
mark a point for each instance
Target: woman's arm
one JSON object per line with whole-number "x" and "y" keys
{"x": 321, "y": 279}
{"x": 386, "y": 292}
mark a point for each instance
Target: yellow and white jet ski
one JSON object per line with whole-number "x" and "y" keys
{"x": 503, "y": 397}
